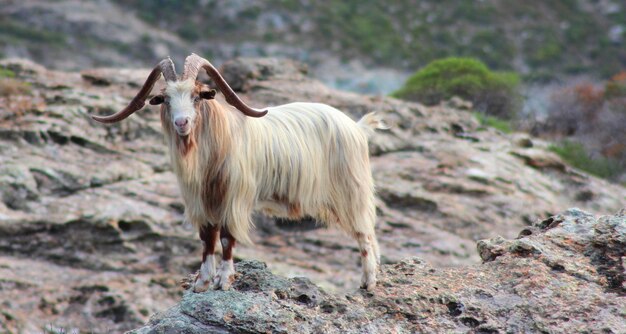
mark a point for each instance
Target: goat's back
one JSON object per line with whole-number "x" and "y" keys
{"x": 312, "y": 154}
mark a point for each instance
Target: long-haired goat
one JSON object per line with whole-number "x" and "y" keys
{"x": 293, "y": 160}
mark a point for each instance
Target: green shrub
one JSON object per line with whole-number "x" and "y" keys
{"x": 189, "y": 31}
{"x": 615, "y": 90}
{"x": 616, "y": 87}
{"x": 494, "y": 122}
{"x": 483, "y": 46}
{"x": 576, "y": 155}
{"x": 6, "y": 73}
{"x": 21, "y": 30}
{"x": 548, "y": 53}
{"x": 493, "y": 93}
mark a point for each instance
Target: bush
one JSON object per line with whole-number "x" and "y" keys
{"x": 493, "y": 93}
{"x": 576, "y": 155}
{"x": 494, "y": 122}
{"x": 6, "y": 73}
{"x": 189, "y": 31}
{"x": 591, "y": 118}
{"x": 21, "y": 30}
{"x": 616, "y": 87}
{"x": 574, "y": 110}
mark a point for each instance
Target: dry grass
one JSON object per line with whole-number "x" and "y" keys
{"x": 19, "y": 105}
{"x": 11, "y": 87}
{"x": 17, "y": 98}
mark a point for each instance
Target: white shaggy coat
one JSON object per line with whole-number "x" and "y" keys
{"x": 301, "y": 159}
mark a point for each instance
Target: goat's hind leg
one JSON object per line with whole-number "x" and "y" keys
{"x": 208, "y": 235}
{"x": 369, "y": 258}
{"x": 376, "y": 249}
{"x": 223, "y": 278}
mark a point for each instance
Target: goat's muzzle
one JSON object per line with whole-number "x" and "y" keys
{"x": 182, "y": 126}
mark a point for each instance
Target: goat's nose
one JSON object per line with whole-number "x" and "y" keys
{"x": 180, "y": 122}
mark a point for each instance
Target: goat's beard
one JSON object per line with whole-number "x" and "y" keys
{"x": 185, "y": 143}
{"x": 184, "y": 135}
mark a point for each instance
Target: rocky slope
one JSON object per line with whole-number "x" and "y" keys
{"x": 562, "y": 275}
{"x": 91, "y": 231}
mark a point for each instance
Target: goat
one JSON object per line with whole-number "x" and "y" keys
{"x": 291, "y": 161}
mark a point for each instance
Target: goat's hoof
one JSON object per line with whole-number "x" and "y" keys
{"x": 223, "y": 282}
{"x": 369, "y": 287}
{"x": 219, "y": 285}
{"x": 201, "y": 286}
{"x": 368, "y": 284}
{"x": 225, "y": 286}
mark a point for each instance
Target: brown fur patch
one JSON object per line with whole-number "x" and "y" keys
{"x": 364, "y": 253}
{"x": 294, "y": 210}
{"x": 209, "y": 234}
{"x": 216, "y": 173}
{"x": 186, "y": 144}
{"x": 214, "y": 192}
{"x": 227, "y": 248}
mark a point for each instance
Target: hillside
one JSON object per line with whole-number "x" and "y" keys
{"x": 382, "y": 42}
{"x": 541, "y": 39}
{"x": 91, "y": 229}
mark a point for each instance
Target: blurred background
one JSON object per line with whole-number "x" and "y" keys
{"x": 564, "y": 58}
{"x": 503, "y": 112}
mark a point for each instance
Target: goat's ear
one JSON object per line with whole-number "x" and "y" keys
{"x": 158, "y": 99}
{"x": 207, "y": 94}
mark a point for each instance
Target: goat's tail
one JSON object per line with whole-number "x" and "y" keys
{"x": 371, "y": 122}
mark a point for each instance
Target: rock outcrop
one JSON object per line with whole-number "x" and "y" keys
{"x": 91, "y": 230}
{"x": 562, "y": 275}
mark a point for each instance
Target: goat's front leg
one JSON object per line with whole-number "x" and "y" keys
{"x": 208, "y": 235}
{"x": 223, "y": 278}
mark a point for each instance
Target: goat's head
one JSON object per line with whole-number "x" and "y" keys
{"x": 180, "y": 102}
{"x": 181, "y": 97}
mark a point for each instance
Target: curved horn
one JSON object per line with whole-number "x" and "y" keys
{"x": 193, "y": 63}
{"x": 166, "y": 66}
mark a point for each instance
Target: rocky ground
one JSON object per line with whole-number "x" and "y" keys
{"x": 562, "y": 275}
{"x": 91, "y": 230}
